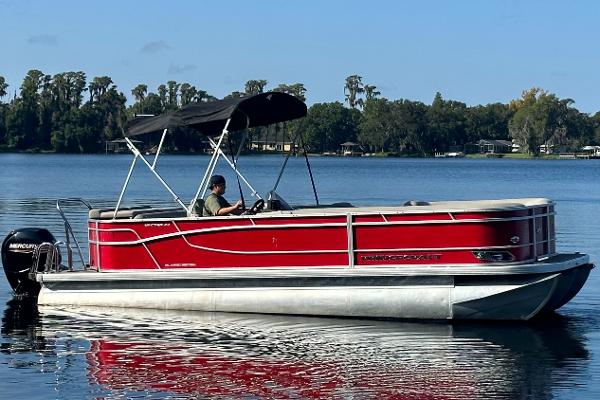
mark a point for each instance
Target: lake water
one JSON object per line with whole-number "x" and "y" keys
{"x": 72, "y": 353}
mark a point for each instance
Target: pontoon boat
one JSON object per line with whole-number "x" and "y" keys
{"x": 493, "y": 259}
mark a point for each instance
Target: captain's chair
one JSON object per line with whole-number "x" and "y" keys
{"x": 198, "y": 210}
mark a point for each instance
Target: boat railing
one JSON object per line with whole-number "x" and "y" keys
{"x": 69, "y": 234}
{"x": 52, "y": 260}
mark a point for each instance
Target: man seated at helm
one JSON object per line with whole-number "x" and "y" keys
{"x": 215, "y": 203}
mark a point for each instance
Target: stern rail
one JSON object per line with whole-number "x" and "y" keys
{"x": 69, "y": 230}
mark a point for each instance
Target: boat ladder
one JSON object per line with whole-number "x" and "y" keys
{"x": 69, "y": 235}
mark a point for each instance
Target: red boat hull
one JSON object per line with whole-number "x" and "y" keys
{"x": 345, "y": 238}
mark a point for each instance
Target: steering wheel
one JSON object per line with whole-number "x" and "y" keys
{"x": 256, "y": 207}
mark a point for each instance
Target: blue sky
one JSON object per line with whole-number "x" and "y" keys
{"x": 477, "y": 52}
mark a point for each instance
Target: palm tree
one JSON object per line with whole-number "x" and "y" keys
{"x": 297, "y": 90}
{"x": 235, "y": 95}
{"x": 255, "y": 86}
{"x": 173, "y": 88}
{"x": 353, "y": 89}
{"x": 162, "y": 94}
{"x": 187, "y": 93}
{"x": 98, "y": 86}
{"x": 3, "y": 87}
{"x": 139, "y": 92}
{"x": 371, "y": 93}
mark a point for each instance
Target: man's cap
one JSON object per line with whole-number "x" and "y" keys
{"x": 216, "y": 180}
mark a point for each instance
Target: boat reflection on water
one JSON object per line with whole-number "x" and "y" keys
{"x": 231, "y": 355}
{"x": 21, "y": 327}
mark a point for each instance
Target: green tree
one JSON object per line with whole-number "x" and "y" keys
{"x": 595, "y": 123}
{"x": 172, "y": 90}
{"x": 327, "y": 125}
{"x": 63, "y": 101}
{"x": 412, "y": 131}
{"x": 487, "y": 122}
{"x": 353, "y": 89}
{"x": 3, "y": 87}
{"x": 152, "y": 104}
{"x": 146, "y": 103}
{"x": 23, "y": 120}
{"x": 47, "y": 105}
{"x": 139, "y": 92}
{"x": 187, "y": 93}
{"x": 255, "y": 86}
{"x": 77, "y": 85}
{"x": 446, "y": 120}
{"x": 235, "y": 95}
{"x": 399, "y": 126}
{"x": 99, "y": 86}
{"x": 376, "y": 128}
{"x": 98, "y": 120}
{"x": 579, "y": 129}
{"x": 371, "y": 92}
{"x": 3, "y": 110}
{"x": 162, "y": 94}
{"x": 297, "y": 90}
{"x": 203, "y": 96}
{"x": 543, "y": 119}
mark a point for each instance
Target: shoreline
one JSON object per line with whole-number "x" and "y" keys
{"x": 510, "y": 156}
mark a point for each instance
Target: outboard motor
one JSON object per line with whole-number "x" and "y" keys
{"x": 18, "y": 257}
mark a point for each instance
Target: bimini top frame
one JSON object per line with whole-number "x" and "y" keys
{"x": 211, "y": 119}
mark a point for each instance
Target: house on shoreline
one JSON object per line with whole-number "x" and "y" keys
{"x": 490, "y": 146}
{"x": 265, "y": 142}
{"x": 120, "y": 145}
{"x": 351, "y": 149}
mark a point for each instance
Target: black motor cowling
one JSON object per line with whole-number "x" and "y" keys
{"x": 18, "y": 251}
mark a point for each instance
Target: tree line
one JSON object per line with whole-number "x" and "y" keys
{"x": 66, "y": 113}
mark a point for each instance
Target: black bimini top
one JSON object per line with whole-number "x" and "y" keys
{"x": 210, "y": 118}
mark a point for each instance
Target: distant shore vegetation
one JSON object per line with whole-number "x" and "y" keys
{"x": 67, "y": 113}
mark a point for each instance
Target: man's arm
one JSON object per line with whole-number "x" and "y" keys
{"x": 230, "y": 209}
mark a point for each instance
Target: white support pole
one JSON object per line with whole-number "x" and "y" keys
{"x": 210, "y": 168}
{"x": 135, "y": 156}
{"x": 138, "y": 154}
{"x": 216, "y": 155}
{"x": 162, "y": 139}
{"x": 214, "y": 146}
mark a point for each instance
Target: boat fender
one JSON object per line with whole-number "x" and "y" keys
{"x": 18, "y": 250}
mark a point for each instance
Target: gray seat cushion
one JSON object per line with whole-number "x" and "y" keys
{"x": 123, "y": 213}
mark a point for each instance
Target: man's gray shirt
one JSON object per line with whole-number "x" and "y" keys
{"x": 214, "y": 203}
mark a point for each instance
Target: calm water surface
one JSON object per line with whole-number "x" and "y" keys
{"x": 75, "y": 353}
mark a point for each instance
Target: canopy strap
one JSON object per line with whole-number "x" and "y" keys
{"x": 287, "y": 157}
{"x": 236, "y": 175}
{"x": 312, "y": 180}
{"x": 254, "y": 193}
